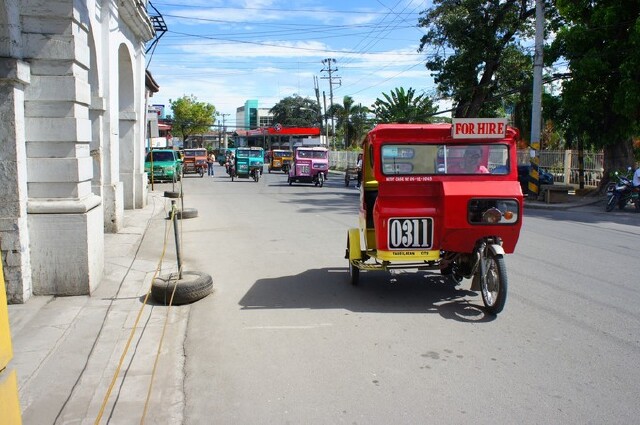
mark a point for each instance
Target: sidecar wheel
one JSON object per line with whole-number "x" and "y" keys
{"x": 354, "y": 274}
{"x": 354, "y": 271}
{"x": 494, "y": 285}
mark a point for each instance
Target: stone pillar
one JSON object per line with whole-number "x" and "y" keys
{"x": 14, "y": 234}
{"x": 65, "y": 218}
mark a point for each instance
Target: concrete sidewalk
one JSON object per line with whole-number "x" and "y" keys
{"x": 67, "y": 349}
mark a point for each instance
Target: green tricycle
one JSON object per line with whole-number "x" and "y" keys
{"x": 248, "y": 163}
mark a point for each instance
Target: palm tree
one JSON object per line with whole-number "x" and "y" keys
{"x": 403, "y": 107}
{"x": 351, "y": 119}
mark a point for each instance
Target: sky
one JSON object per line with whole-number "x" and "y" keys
{"x": 225, "y": 52}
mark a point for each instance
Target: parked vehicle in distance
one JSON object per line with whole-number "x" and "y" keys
{"x": 224, "y": 153}
{"x": 280, "y": 159}
{"x": 311, "y": 165}
{"x": 544, "y": 177}
{"x": 622, "y": 192}
{"x": 166, "y": 165}
{"x": 194, "y": 161}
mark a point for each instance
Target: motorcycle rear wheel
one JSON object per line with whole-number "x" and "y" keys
{"x": 611, "y": 203}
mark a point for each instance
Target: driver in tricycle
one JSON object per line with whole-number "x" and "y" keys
{"x": 443, "y": 197}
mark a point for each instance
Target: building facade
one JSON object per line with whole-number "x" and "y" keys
{"x": 72, "y": 84}
{"x": 250, "y": 116}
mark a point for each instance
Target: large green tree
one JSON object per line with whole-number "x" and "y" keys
{"x": 601, "y": 42}
{"x": 402, "y": 106}
{"x": 296, "y": 111}
{"x": 191, "y": 117}
{"x": 474, "y": 51}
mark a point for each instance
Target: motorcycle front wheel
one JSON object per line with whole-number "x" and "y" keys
{"x": 321, "y": 179}
{"x": 611, "y": 203}
{"x": 494, "y": 284}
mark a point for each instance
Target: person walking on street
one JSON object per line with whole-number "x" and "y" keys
{"x": 359, "y": 169}
{"x": 636, "y": 177}
{"x": 210, "y": 161}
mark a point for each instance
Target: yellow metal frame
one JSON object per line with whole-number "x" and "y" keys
{"x": 9, "y": 403}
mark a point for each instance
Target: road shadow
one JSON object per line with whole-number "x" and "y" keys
{"x": 378, "y": 292}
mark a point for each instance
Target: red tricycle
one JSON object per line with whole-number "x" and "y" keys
{"x": 440, "y": 197}
{"x": 310, "y": 165}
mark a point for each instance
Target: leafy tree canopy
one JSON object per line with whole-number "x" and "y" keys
{"x": 474, "y": 51}
{"x": 296, "y": 111}
{"x": 601, "y": 100}
{"x": 191, "y": 117}
{"x": 402, "y": 106}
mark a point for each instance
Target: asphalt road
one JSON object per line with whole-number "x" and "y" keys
{"x": 284, "y": 338}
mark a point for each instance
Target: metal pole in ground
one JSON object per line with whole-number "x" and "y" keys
{"x": 177, "y": 236}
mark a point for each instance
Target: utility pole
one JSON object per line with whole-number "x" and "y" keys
{"x": 327, "y": 63}
{"x": 317, "y": 90}
{"x": 326, "y": 124}
{"x": 536, "y": 106}
{"x": 224, "y": 132}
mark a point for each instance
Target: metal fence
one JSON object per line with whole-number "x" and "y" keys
{"x": 565, "y": 167}
{"x": 562, "y": 164}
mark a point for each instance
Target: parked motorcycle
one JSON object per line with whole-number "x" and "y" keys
{"x": 622, "y": 192}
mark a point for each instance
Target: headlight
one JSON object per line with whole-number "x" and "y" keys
{"x": 319, "y": 166}
{"x": 493, "y": 211}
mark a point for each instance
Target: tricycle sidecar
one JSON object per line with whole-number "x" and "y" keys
{"x": 310, "y": 165}
{"x": 440, "y": 197}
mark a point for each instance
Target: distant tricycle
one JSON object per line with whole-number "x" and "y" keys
{"x": 310, "y": 165}
{"x": 440, "y": 197}
{"x": 248, "y": 163}
{"x": 280, "y": 159}
{"x": 194, "y": 161}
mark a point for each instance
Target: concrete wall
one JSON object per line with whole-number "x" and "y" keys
{"x": 71, "y": 138}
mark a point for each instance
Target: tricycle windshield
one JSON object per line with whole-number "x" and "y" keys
{"x": 425, "y": 159}
{"x": 282, "y": 154}
{"x": 312, "y": 153}
{"x": 191, "y": 153}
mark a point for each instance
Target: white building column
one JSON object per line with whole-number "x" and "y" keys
{"x": 14, "y": 234}
{"x": 65, "y": 218}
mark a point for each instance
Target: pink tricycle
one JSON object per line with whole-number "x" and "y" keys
{"x": 310, "y": 165}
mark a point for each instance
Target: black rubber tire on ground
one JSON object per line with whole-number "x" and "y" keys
{"x": 494, "y": 288}
{"x": 185, "y": 213}
{"x": 346, "y": 180}
{"x": 192, "y": 287}
{"x": 171, "y": 194}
